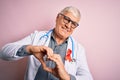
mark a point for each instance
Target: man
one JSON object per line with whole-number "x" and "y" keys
{"x": 53, "y": 55}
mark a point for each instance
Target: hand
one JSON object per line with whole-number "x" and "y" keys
{"x": 39, "y": 52}
{"x": 59, "y": 70}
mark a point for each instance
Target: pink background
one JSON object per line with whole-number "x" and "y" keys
{"x": 99, "y": 32}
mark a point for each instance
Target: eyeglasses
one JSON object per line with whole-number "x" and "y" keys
{"x": 66, "y": 20}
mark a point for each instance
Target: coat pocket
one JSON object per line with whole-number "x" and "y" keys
{"x": 71, "y": 67}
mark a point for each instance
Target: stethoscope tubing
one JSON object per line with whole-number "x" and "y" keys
{"x": 47, "y": 35}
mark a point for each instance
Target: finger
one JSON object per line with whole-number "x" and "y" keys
{"x": 45, "y": 51}
{"x": 48, "y": 69}
{"x": 55, "y": 59}
{"x": 49, "y": 52}
{"x": 58, "y": 57}
{"x": 45, "y": 67}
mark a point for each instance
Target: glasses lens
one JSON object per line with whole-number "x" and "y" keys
{"x": 67, "y": 20}
{"x": 75, "y": 24}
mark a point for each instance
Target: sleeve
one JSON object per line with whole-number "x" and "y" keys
{"x": 8, "y": 52}
{"x": 83, "y": 72}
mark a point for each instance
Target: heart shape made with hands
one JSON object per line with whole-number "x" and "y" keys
{"x": 59, "y": 66}
{"x": 53, "y": 58}
{"x": 58, "y": 70}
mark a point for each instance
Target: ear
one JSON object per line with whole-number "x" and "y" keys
{"x": 57, "y": 17}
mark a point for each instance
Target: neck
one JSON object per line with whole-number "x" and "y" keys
{"x": 58, "y": 39}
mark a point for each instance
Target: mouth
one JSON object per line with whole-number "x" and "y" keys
{"x": 66, "y": 29}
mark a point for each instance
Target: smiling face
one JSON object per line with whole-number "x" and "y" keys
{"x": 65, "y": 25}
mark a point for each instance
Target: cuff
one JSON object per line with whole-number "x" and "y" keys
{"x": 72, "y": 77}
{"x": 22, "y": 51}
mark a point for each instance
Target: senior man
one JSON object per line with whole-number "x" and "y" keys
{"x": 54, "y": 54}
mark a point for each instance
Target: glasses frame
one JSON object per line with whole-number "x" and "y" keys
{"x": 67, "y": 20}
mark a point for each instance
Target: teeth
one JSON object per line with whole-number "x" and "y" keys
{"x": 66, "y": 29}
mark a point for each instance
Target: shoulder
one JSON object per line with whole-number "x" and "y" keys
{"x": 38, "y": 33}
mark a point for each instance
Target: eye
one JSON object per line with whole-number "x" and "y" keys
{"x": 75, "y": 24}
{"x": 67, "y": 19}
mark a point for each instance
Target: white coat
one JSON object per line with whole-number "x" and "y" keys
{"x": 78, "y": 68}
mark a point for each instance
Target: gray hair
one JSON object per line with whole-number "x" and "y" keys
{"x": 73, "y": 10}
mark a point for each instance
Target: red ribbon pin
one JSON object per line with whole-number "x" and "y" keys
{"x": 68, "y": 55}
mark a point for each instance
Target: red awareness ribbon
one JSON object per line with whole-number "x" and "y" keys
{"x": 68, "y": 55}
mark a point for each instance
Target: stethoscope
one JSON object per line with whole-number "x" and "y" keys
{"x": 47, "y": 35}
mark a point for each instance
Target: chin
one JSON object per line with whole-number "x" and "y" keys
{"x": 65, "y": 36}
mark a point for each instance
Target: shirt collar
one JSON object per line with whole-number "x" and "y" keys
{"x": 52, "y": 36}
